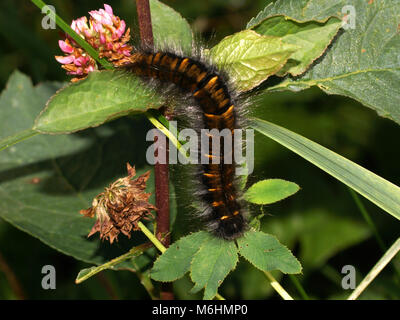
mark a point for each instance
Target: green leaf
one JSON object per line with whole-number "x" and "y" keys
{"x": 169, "y": 27}
{"x": 266, "y": 253}
{"x": 320, "y": 227}
{"x": 251, "y": 58}
{"x": 20, "y": 103}
{"x": 45, "y": 181}
{"x": 311, "y": 37}
{"x": 102, "y": 97}
{"x": 211, "y": 264}
{"x": 314, "y": 229}
{"x": 300, "y": 10}
{"x": 270, "y": 191}
{"x": 363, "y": 63}
{"x": 175, "y": 262}
{"x": 383, "y": 193}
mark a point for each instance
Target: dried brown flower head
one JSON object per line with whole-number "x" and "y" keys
{"x": 120, "y": 206}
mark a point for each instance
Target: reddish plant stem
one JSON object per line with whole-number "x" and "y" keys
{"x": 107, "y": 285}
{"x": 160, "y": 170}
{"x": 162, "y": 195}
{"x": 144, "y": 17}
{"x": 12, "y": 279}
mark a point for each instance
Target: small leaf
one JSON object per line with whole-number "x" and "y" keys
{"x": 311, "y": 37}
{"x": 175, "y": 262}
{"x": 270, "y": 191}
{"x": 266, "y": 253}
{"x": 251, "y": 58}
{"x": 169, "y": 27}
{"x": 103, "y": 96}
{"x": 211, "y": 264}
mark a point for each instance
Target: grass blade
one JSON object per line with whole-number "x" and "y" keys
{"x": 387, "y": 257}
{"x": 383, "y": 193}
{"x": 368, "y": 219}
{"x": 278, "y": 288}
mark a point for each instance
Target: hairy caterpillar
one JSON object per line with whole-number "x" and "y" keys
{"x": 208, "y": 88}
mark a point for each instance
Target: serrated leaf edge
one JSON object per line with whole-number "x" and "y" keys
{"x": 193, "y": 290}
{"x": 301, "y": 267}
{"x": 159, "y": 257}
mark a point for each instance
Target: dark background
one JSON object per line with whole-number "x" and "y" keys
{"x": 338, "y": 123}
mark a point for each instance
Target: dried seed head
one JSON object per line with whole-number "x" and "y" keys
{"x": 121, "y": 206}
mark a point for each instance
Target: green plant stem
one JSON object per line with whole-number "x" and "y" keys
{"x": 107, "y": 285}
{"x": 387, "y": 257}
{"x": 299, "y": 287}
{"x": 160, "y": 126}
{"x": 147, "y": 284}
{"x": 18, "y": 137}
{"x": 332, "y": 274}
{"x": 371, "y": 224}
{"x": 219, "y": 297}
{"x": 368, "y": 219}
{"x": 108, "y": 265}
{"x": 278, "y": 288}
{"x": 152, "y": 237}
{"x": 144, "y": 278}
{"x": 67, "y": 29}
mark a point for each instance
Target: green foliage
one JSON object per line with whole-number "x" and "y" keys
{"x": 363, "y": 63}
{"x": 266, "y": 253}
{"x": 320, "y": 228}
{"x": 270, "y": 191}
{"x": 311, "y": 39}
{"x": 175, "y": 262}
{"x": 211, "y": 264}
{"x": 102, "y": 97}
{"x": 169, "y": 27}
{"x": 251, "y": 58}
{"x": 210, "y": 259}
{"x": 46, "y": 181}
{"x": 376, "y": 189}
